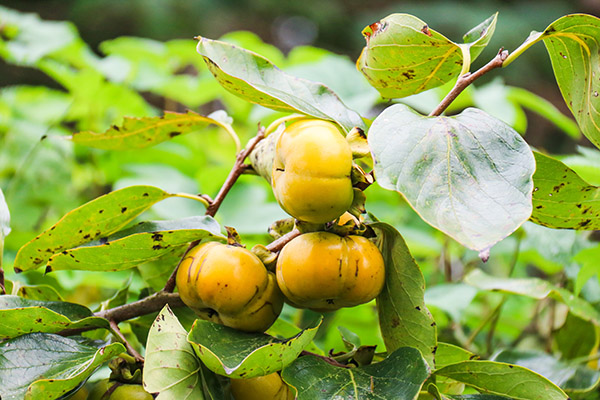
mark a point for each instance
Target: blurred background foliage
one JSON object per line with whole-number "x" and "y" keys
{"x": 137, "y": 58}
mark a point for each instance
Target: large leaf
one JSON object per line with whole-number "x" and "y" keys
{"x": 468, "y": 175}
{"x": 237, "y": 354}
{"x": 99, "y": 217}
{"x": 513, "y": 381}
{"x": 144, "y": 242}
{"x": 256, "y": 79}
{"x": 403, "y": 56}
{"x": 569, "y": 376}
{"x": 403, "y": 316}
{"x": 171, "y": 368}
{"x": 535, "y": 288}
{"x": 19, "y": 316}
{"x": 561, "y": 199}
{"x": 399, "y": 377}
{"x": 137, "y": 133}
{"x": 573, "y": 43}
{"x": 46, "y": 366}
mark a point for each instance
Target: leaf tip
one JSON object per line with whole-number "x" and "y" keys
{"x": 484, "y": 255}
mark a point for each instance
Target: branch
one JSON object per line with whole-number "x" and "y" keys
{"x": 117, "y": 332}
{"x": 144, "y": 306}
{"x": 278, "y": 244}
{"x": 468, "y": 78}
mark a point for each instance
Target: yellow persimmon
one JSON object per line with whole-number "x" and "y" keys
{"x": 268, "y": 387}
{"x": 229, "y": 285}
{"x": 323, "y": 271}
{"x": 311, "y": 171}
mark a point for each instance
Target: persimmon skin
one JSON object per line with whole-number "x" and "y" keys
{"x": 324, "y": 272}
{"x": 228, "y": 284}
{"x": 268, "y": 387}
{"x": 311, "y": 171}
{"x": 123, "y": 391}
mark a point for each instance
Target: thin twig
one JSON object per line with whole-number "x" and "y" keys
{"x": 468, "y": 78}
{"x": 235, "y": 173}
{"x": 117, "y": 332}
{"x": 326, "y": 359}
{"x": 147, "y": 305}
{"x": 170, "y": 285}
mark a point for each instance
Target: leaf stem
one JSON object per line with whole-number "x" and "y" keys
{"x": 273, "y": 125}
{"x": 234, "y": 136}
{"x": 114, "y": 327}
{"x": 465, "y": 80}
{"x": 201, "y": 199}
{"x": 325, "y": 358}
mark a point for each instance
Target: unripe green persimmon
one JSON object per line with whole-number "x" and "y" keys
{"x": 268, "y": 387}
{"x": 323, "y": 271}
{"x": 311, "y": 171}
{"x": 122, "y": 391}
{"x": 229, "y": 285}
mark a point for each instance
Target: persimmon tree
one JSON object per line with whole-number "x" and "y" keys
{"x": 432, "y": 158}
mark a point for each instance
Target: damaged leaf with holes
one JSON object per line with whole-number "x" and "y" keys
{"x": 404, "y": 56}
{"x": 144, "y": 242}
{"x": 99, "y": 217}
{"x": 137, "y": 133}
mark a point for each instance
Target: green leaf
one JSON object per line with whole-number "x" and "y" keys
{"x": 403, "y": 317}
{"x": 283, "y": 329}
{"x": 172, "y": 369}
{"x": 468, "y": 176}
{"x": 513, "y": 381}
{"x": 46, "y": 366}
{"x": 453, "y": 298}
{"x": 561, "y": 199}
{"x": 39, "y": 292}
{"x": 479, "y": 37}
{"x": 137, "y": 133}
{"x": 99, "y": 217}
{"x": 447, "y": 354}
{"x": 403, "y": 56}
{"x": 576, "y": 338}
{"x": 588, "y": 258}
{"x": 29, "y": 38}
{"x": 572, "y": 42}
{"x": 479, "y": 397}
{"x": 237, "y": 354}
{"x": 399, "y": 377}
{"x": 545, "y": 108}
{"x": 144, "y": 242}
{"x": 256, "y": 79}
{"x": 534, "y": 288}
{"x": 572, "y": 378}
{"x": 19, "y": 316}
